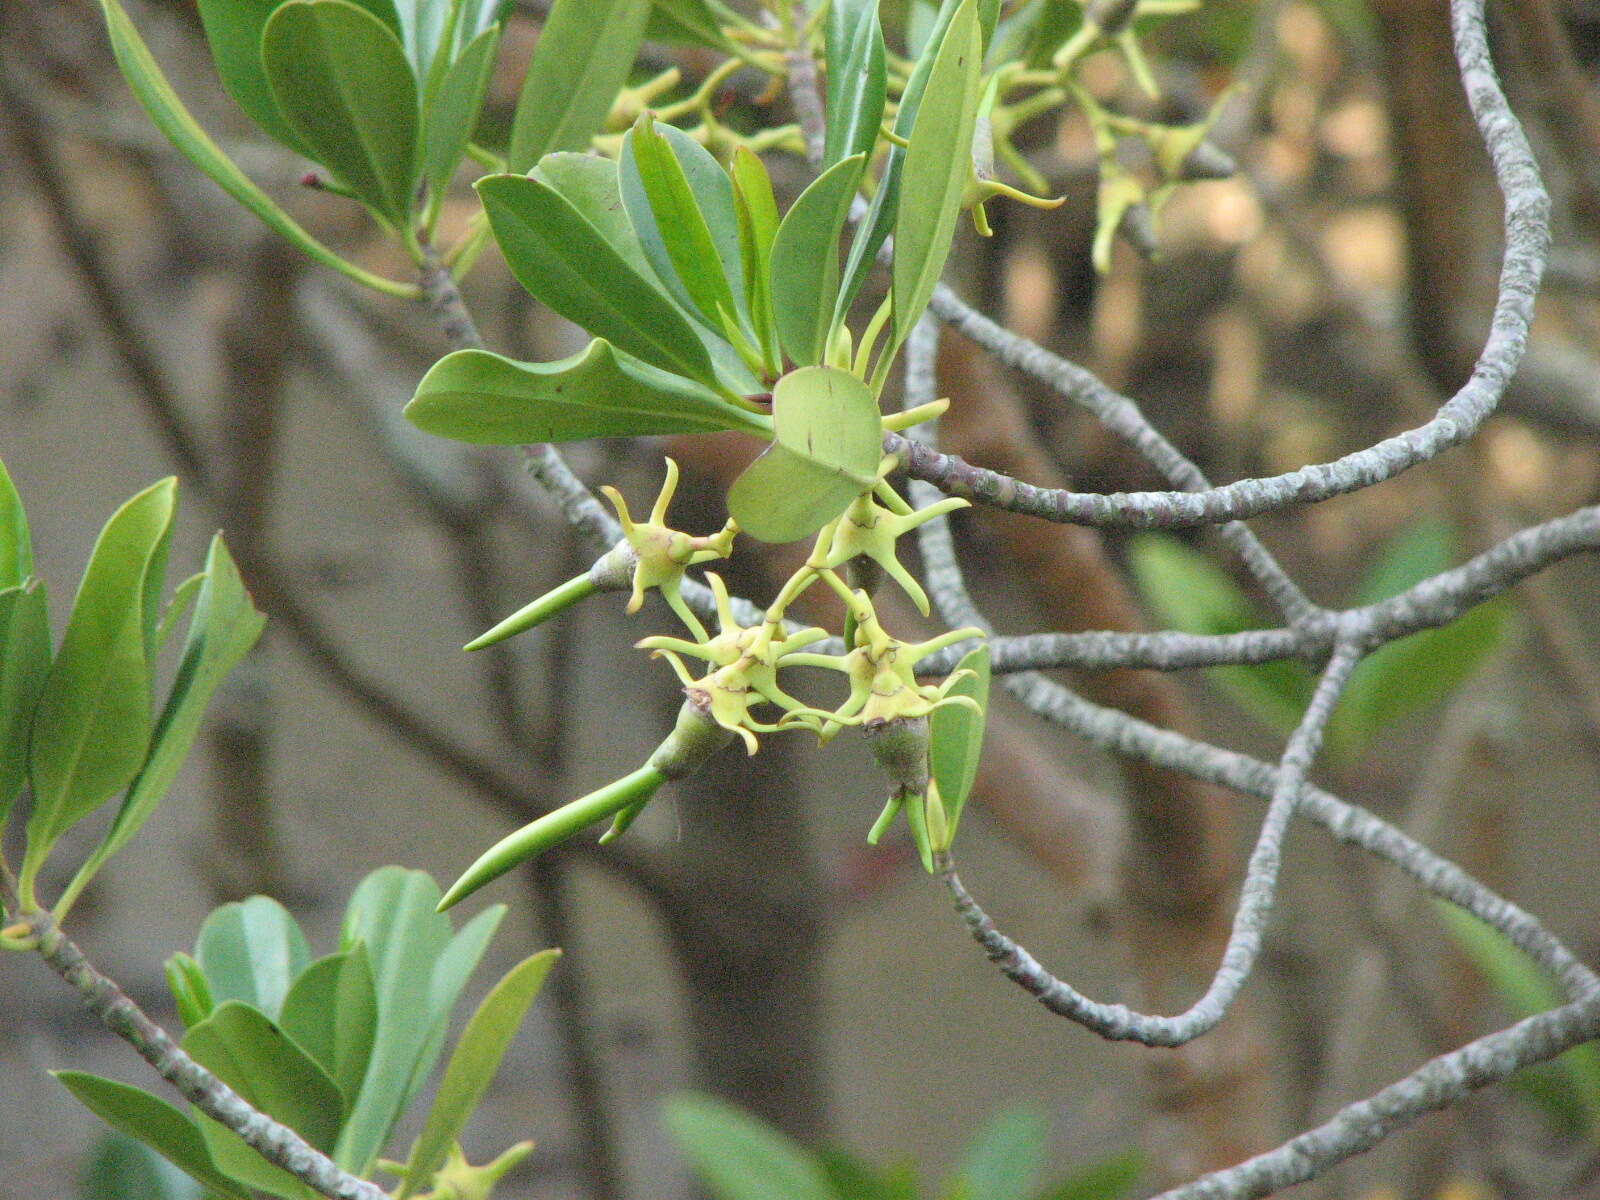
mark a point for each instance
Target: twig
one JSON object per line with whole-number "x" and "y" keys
{"x": 276, "y": 1143}
{"x": 1438, "y": 1084}
{"x": 1527, "y": 236}
{"x": 1117, "y": 1022}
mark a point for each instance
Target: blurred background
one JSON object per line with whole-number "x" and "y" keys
{"x": 743, "y": 940}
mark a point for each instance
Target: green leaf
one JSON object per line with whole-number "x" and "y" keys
{"x": 450, "y": 975}
{"x": 343, "y": 84}
{"x": 1109, "y": 1179}
{"x": 252, "y": 951}
{"x": 121, "y": 1168}
{"x": 191, "y": 993}
{"x": 161, "y": 103}
{"x": 1186, "y": 591}
{"x": 331, "y": 1011}
{"x": 854, "y": 1179}
{"x": 827, "y": 442}
{"x": 566, "y": 263}
{"x": 740, "y": 1157}
{"x": 233, "y": 29}
{"x": 152, "y": 1121}
{"x": 423, "y": 24}
{"x": 477, "y": 396}
{"x": 580, "y": 63}
{"x": 1415, "y": 671}
{"x": 956, "y": 734}
{"x": 938, "y": 163}
{"x": 416, "y": 966}
{"x": 453, "y": 113}
{"x": 687, "y": 22}
{"x": 245, "y": 1166}
{"x": 805, "y": 261}
{"x": 591, "y": 186}
{"x": 757, "y": 211}
{"x": 16, "y": 544}
{"x": 473, "y": 1064}
{"x": 224, "y": 627}
{"x": 178, "y": 606}
{"x": 1567, "y": 1087}
{"x": 24, "y": 667}
{"x": 589, "y": 183}
{"x": 247, "y": 1051}
{"x": 857, "y": 79}
{"x": 680, "y": 202}
{"x": 875, "y": 226}
{"x": 92, "y": 723}
{"x": 1006, "y": 1155}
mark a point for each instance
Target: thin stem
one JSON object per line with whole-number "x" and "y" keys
{"x": 1257, "y": 898}
{"x": 276, "y": 1143}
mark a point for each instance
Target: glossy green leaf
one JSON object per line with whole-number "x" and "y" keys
{"x": 580, "y": 63}
{"x": 826, "y": 446}
{"x": 92, "y": 722}
{"x": 1186, "y": 591}
{"x": 805, "y": 261}
{"x": 414, "y": 972}
{"x": 857, "y": 79}
{"x": 342, "y": 82}
{"x": 566, "y": 263}
{"x": 233, "y": 30}
{"x": 453, "y": 113}
{"x": 756, "y": 209}
{"x": 680, "y": 203}
{"x": 154, "y": 1122}
{"x": 938, "y": 163}
{"x": 687, "y": 22}
{"x": 591, "y": 186}
{"x": 1413, "y": 672}
{"x": 1567, "y": 1087}
{"x": 477, "y": 396}
{"x": 1111, "y": 1178}
{"x": 875, "y": 226}
{"x": 589, "y": 183}
{"x": 956, "y": 737}
{"x": 224, "y": 627}
{"x": 253, "y": 1056}
{"x": 191, "y": 993}
{"x": 740, "y": 1157}
{"x": 16, "y": 543}
{"x": 1004, "y": 1158}
{"x": 252, "y": 951}
{"x": 24, "y": 667}
{"x": 161, "y": 104}
{"x": 122, "y": 1168}
{"x": 473, "y": 1064}
{"x": 331, "y": 1012}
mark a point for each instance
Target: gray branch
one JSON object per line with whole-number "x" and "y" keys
{"x": 116, "y": 1010}
{"x": 1438, "y": 1084}
{"x": 1527, "y": 237}
{"x": 1117, "y": 1022}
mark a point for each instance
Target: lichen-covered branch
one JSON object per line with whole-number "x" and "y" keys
{"x": 1438, "y": 1084}
{"x": 276, "y": 1143}
{"x": 1118, "y": 1022}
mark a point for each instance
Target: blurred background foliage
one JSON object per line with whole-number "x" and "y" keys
{"x": 1328, "y": 295}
